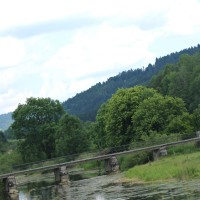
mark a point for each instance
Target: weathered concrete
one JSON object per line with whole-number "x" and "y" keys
{"x": 10, "y": 186}
{"x": 111, "y": 165}
{"x": 159, "y": 153}
{"x": 61, "y": 175}
{"x": 198, "y": 136}
{"x": 198, "y": 133}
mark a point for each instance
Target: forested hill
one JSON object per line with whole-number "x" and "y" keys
{"x": 5, "y": 121}
{"x": 181, "y": 79}
{"x": 85, "y": 104}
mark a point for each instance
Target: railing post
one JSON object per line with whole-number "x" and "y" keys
{"x": 61, "y": 175}
{"x": 159, "y": 152}
{"x": 155, "y": 154}
{"x": 198, "y": 135}
{"x": 111, "y": 165}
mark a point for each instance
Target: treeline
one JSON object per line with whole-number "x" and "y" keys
{"x": 85, "y": 104}
{"x": 181, "y": 80}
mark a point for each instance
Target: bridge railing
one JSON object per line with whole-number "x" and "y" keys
{"x": 67, "y": 158}
{"x": 150, "y": 142}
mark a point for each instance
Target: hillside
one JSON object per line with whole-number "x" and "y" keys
{"x": 181, "y": 80}
{"x": 85, "y": 104}
{"x": 5, "y": 121}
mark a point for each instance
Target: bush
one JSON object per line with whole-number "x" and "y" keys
{"x": 131, "y": 160}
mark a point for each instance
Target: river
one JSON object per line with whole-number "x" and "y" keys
{"x": 109, "y": 187}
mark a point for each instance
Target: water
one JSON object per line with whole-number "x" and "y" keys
{"x": 108, "y": 188}
{"x": 104, "y": 188}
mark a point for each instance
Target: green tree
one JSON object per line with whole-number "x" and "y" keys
{"x": 181, "y": 80}
{"x": 196, "y": 118}
{"x": 35, "y": 122}
{"x": 3, "y": 140}
{"x": 71, "y": 137}
{"x": 2, "y": 137}
{"x": 114, "y": 119}
{"x": 161, "y": 115}
{"x": 9, "y": 133}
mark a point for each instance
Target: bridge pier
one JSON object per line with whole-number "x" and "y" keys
{"x": 61, "y": 175}
{"x": 198, "y": 135}
{"x": 10, "y": 187}
{"x": 111, "y": 165}
{"x": 159, "y": 153}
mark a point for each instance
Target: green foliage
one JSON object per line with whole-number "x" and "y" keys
{"x": 35, "y": 123}
{"x": 71, "y": 137}
{"x": 183, "y": 149}
{"x": 9, "y": 159}
{"x": 138, "y": 114}
{"x": 159, "y": 114}
{"x": 181, "y": 80}
{"x": 85, "y": 104}
{"x": 9, "y": 133}
{"x": 181, "y": 167}
{"x": 196, "y": 118}
{"x": 3, "y": 141}
{"x": 90, "y": 129}
{"x": 2, "y": 137}
{"x": 128, "y": 161}
{"x": 114, "y": 119}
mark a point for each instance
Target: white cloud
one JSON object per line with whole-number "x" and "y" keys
{"x": 95, "y": 51}
{"x": 183, "y": 18}
{"x": 115, "y": 35}
{"x": 12, "y": 51}
{"x": 10, "y": 99}
{"x": 101, "y": 48}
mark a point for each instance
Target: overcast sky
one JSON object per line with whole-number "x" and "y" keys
{"x": 57, "y": 48}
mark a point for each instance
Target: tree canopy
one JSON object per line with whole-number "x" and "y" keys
{"x": 35, "y": 122}
{"x": 136, "y": 113}
{"x": 181, "y": 80}
{"x": 161, "y": 115}
{"x": 2, "y": 138}
{"x": 114, "y": 119}
{"x": 71, "y": 137}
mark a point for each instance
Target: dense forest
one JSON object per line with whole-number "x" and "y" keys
{"x": 181, "y": 80}
{"x": 85, "y": 104}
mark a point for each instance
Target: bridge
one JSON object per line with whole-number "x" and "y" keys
{"x": 111, "y": 163}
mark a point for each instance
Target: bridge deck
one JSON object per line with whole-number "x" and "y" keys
{"x": 101, "y": 157}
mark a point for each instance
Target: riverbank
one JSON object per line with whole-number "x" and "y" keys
{"x": 174, "y": 167}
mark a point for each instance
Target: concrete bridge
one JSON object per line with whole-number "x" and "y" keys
{"x": 111, "y": 164}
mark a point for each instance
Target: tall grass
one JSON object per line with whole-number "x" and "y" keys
{"x": 181, "y": 167}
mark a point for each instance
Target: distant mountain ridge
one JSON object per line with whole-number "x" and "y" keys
{"x": 5, "y": 121}
{"x": 85, "y": 104}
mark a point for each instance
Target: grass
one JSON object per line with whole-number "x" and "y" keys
{"x": 180, "y": 167}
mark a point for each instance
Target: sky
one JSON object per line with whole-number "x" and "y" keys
{"x": 58, "y": 48}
